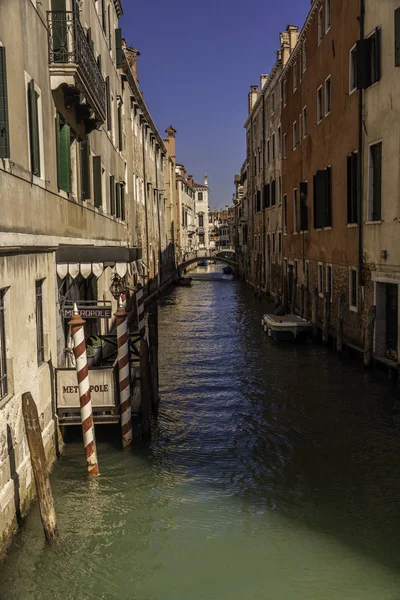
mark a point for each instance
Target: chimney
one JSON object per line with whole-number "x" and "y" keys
{"x": 263, "y": 81}
{"x": 253, "y": 96}
{"x": 294, "y": 33}
{"x": 170, "y": 141}
{"x": 206, "y": 179}
{"x": 190, "y": 180}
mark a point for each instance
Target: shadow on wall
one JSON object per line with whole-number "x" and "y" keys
{"x": 13, "y": 473}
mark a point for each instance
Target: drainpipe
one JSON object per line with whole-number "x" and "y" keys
{"x": 264, "y": 237}
{"x": 360, "y": 163}
{"x": 145, "y": 208}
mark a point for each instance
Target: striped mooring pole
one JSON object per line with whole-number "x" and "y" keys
{"x": 82, "y": 371}
{"x": 121, "y": 317}
{"x": 140, "y": 311}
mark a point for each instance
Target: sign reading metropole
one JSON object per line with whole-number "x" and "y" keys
{"x": 89, "y": 312}
{"x": 102, "y": 388}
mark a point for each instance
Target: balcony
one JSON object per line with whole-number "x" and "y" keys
{"x": 74, "y": 68}
{"x": 201, "y": 229}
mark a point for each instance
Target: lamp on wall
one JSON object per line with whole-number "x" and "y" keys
{"x": 117, "y": 287}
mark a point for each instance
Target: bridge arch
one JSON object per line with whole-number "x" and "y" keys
{"x": 216, "y": 257}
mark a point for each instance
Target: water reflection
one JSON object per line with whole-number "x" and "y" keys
{"x": 272, "y": 473}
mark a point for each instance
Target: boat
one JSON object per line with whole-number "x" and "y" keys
{"x": 286, "y": 327}
{"x": 184, "y": 281}
{"x": 202, "y": 263}
{"x": 228, "y": 270}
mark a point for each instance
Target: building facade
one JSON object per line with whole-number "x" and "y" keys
{"x": 201, "y": 191}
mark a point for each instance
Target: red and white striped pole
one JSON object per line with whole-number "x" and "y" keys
{"x": 82, "y": 371}
{"x": 140, "y": 311}
{"x": 121, "y": 317}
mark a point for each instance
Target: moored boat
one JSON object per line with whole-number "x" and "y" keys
{"x": 184, "y": 281}
{"x": 285, "y": 327}
{"x": 228, "y": 270}
{"x": 202, "y": 263}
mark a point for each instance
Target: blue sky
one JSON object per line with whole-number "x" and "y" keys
{"x": 198, "y": 60}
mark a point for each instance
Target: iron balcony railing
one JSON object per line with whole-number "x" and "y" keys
{"x": 68, "y": 45}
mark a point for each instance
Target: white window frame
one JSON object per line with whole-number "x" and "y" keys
{"x": 353, "y": 76}
{"x": 329, "y": 266}
{"x": 294, "y": 135}
{"x": 295, "y": 215}
{"x": 321, "y": 279}
{"x": 304, "y": 118}
{"x": 328, "y": 79}
{"x": 328, "y": 15}
{"x": 320, "y": 105}
{"x": 371, "y": 182}
{"x": 320, "y": 26}
{"x": 353, "y": 307}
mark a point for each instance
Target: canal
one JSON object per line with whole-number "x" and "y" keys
{"x": 273, "y": 474}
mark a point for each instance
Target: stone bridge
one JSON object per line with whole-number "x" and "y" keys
{"x": 223, "y": 255}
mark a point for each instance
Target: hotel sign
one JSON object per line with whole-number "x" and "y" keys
{"x": 89, "y": 312}
{"x": 102, "y": 389}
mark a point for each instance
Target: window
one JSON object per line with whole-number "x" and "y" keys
{"x": 268, "y": 152}
{"x": 328, "y": 95}
{"x": 120, "y": 133}
{"x": 103, "y": 15}
{"x": 294, "y": 135}
{"x": 369, "y": 60}
{"x": 108, "y": 104}
{"x": 112, "y": 195}
{"x": 4, "y": 123}
{"x": 98, "y": 176}
{"x": 307, "y": 274}
{"x": 63, "y": 151}
{"x": 200, "y": 196}
{"x": 304, "y": 121}
{"x": 280, "y": 242}
{"x": 201, "y": 221}
{"x": 294, "y": 76}
{"x": 353, "y": 288}
{"x": 3, "y": 349}
{"x": 284, "y": 146}
{"x": 304, "y": 56}
{"x": 85, "y": 170}
{"x": 267, "y": 195}
{"x": 328, "y": 277}
{"x": 295, "y": 210}
{"x": 320, "y": 279}
{"x": 323, "y": 198}
{"x": 327, "y": 14}
{"x": 39, "y": 322}
{"x": 279, "y": 140}
{"x": 273, "y": 146}
{"x": 319, "y": 104}
{"x": 375, "y": 182}
{"x": 280, "y": 190}
{"x": 353, "y": 69}
{"x": 258, "y": 201}
{"x": 273, "y": 243}
{"x": 33, "y": 117}
{"x": 285, "y": 213}
{"x": 352, "y": 177}
{"x": 320, "y": 25}
{"x": 303, "y": 206}
{"x": 284, "y": 90}
{"x": 118, "y": 49}
{"x": 109, "y": 29}
{"x": 273, "y": 192}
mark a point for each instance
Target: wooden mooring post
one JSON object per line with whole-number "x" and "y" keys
{"x": 339, "y": 339}
{"x": 39, "y": 467}
{"x": 369, "y": 337}
{"x": 153, "y": 350}
{"x": 314, "y": 311}
{"x": 327, "y": 314}
{"x": 145, "y": 386}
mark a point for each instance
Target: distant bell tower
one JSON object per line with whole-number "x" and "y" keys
{"x": 206, "y": 179}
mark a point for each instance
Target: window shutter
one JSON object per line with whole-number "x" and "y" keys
{"x": 303, "y": 206}
{"x": 4, "y": 124}
{"x": 108, "y": 103}
{"x": 118, "y": 200}
{"x": 354, "y": 170}
{"x": 349, "y": 189}
{"x": 120, "y": 128}
{"x": 377, "y": 55}
{"x": 97, "y": 181}
{"x": 267, "y": 195}
{"x": 58, "y": 158}
{"x": 328, "y": 197}
{"x": 273, "y": 192}
{"x": 118, "y": 48}
{"x": 320, "y": 199}
{"x": 397, "y": 37}
{"x": 85, "y": 170}
{"x": 112, "y": 194}
{"x": 34, "y": 128}
{"x": 364, "y": 63}
{"x": 123, "y": 202}
{"x": 65, "y": 158}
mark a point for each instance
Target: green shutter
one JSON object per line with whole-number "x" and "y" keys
{"x": 112, "y": 194}
{"x": 65, "y": 158}
{"x": 118, "y": 200}
{"x": 34, "y": 128}
{"x": 118, "y": 48}
{"x": 123, "y": 202}
{"x": 58, "y": 158}
{"x": 108, "y": 103}
{"x": 103, "y": 15}
{"x": 120, "y": 143}
{"x": 97, "y": 188}
{"x": 4, "y": 124}
{"x": 85, "y": 170}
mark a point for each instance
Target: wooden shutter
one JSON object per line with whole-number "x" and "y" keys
{"x": 377, "y": 182}
{"x": 65, "y": 158}
{"x": 123, "y": 215}
{"x": 303, "y": 206}
{"x": 85, "y": 170}
{"x": 273, "y": 192}
{"x": 397, "y": 37}
{"x": 118, "y": 48}
{"x": 267, "y": 195}
{"x": 34, "y": 128}
{"x": 258, "y": 200}
{"x": 349, "y": 190}
{"x": 118, "y": 200}
{"x": 4, "y": 124}
{"x": 319, "y": 199}
{"x": 328, "y": 197}
{"x": 112, "y": 194}
{"x": 120, "y": 128}
{"x": 104, "y": 15}
{"x": 108, "y": 103}
{"x": 363, "y": 51}
{"x": 58, "y": 158}
{"x": 354, "y": 178}
{"x": 97, "y": 182}
{"x": 376, "y": 45}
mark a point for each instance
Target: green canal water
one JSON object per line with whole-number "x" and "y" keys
{"x": 273, "y": 474}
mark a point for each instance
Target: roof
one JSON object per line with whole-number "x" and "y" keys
{"x": 200, "y": 185}
{"x": 118, "y": 8}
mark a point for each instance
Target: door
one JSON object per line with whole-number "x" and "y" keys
{"x": 391, "y": 319}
